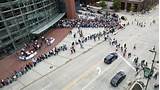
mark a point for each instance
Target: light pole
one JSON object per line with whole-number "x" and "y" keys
{"x": 155, "y": 53}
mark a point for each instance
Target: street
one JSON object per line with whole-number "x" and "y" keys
{"x": 79, "y": 71}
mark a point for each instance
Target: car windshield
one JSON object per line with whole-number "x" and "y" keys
{"x": 109, "y": 56}
{"x": 117, "y": 76}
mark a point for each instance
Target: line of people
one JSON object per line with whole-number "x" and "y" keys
{"x": 18, "y": 73}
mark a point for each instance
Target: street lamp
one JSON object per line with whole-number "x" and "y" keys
{"x": 155, "y": 53}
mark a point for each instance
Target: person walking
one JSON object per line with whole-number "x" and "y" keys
{"x": 121, "y": 48}
{"x": 134, "y": 47}
{"x": 129, "y": 55}
{"x": 125, "y": 45}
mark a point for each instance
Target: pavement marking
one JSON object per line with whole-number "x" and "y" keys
{"x": 127, "y": 62}
{"x": 68, "y": 86}
{"x": 100, "y": 74}
{"x": 99, "y": 70}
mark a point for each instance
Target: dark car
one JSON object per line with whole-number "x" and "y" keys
{"x": 110, "y": 58}
{"x": 118, "y": 78}
{"x": 123, "y": 18}
{"x": 99, "y": 12}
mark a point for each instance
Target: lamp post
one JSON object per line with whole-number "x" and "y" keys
{"x": 155, "y": 53}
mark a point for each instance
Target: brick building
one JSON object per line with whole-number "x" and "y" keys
{"x": 137, "y": 5}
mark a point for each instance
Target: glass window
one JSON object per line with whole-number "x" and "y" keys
{"x": 21, "y": 25}
{"x": 5, "y": 8}
{"x": 15, "y": 35}
{"x": 10, "y": 22}
{"x": 13, "y": 29}
{"x": 46, "y": 2}
{"x": 7, "y": 14}
{"x": 24, "y": 10}
{"x": 3, "y": 1}
{"x": 32, "y": 21}
{"x": 21, "y": 4}
{"x": 39, "y": 5}
{"x": 19, "y": 19}
{"x": 3, "y": 32}
{"x": 2, "y": 25}
{"x": 5, "y": 39}
{"x": 15, "y": 6}
{"x": 36, "y": 1}
{"x": 17, "y": 12}
{"x": 30, "y": 8}
{"x": 28, "y": 2}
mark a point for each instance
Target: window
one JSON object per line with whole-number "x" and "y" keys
{"x": 39, "y": 5}
{"x": 10, "y": 22}
{"x": 32, "y": 21}
{"x": 13, "y": 29}
{"x": 17, "y": 12}
{"x": 3, "y": 32}
{"x": 7, "y": 15}
{"x": 5, "y": 8}
{"x": 2, "y": 25}
{"x": 46, "y": 2}
{"x": 3, "y": 1}
{"x": 36, "y": 1}
{"x": 15, "y": 35}
{"x": 31, "y": 8}
{"x": 21, "y": 25}
{"x": 28, "y": 2}
{"x": 19, "y": 19}
{"x": 15, "y": 6}
{"x": 5, "y": 39}
{"x": 21, "y": 4}
{"x": 24, "y": 10}
{"x": 0, "y": 18}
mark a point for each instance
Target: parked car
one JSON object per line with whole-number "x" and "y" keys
{"x": 110, "y": 58}
{"x": 118, "y": 78}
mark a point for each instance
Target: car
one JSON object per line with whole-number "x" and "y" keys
{"x": 110, "y": 58}
{"x": 100, "y": 12}
{"x": 118, "y": 78}
{"x": 123, "y": 18}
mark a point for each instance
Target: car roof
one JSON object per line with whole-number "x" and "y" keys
{"x": 109, "y": 56}
{"x": 117, "y": 76}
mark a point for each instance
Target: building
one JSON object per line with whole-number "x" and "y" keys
{"x": 89, "y": 2}
{"x": 137, "y": 5}
{"x": 21, "y": 20}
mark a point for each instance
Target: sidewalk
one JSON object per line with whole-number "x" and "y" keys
{"x": 11, "y": 63}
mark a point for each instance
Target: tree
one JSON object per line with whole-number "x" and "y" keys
{"x": 116, "y": 5}
{"x": 103, "y": 4}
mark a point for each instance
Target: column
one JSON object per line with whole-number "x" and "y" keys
{"x": 70, "y": 9}
{"x": 125, "y": 7}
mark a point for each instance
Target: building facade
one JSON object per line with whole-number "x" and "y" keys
{"x": 21, "y": 19}
{"x": 137, "y": 5}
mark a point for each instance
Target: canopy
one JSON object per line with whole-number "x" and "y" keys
{"x": 45, "y": 27}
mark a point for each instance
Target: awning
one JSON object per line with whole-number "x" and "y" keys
{"x": 45, "y": 27}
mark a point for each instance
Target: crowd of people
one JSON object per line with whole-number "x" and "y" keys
{"x": 18, "y": 73}
{"x": 110, "y": 21}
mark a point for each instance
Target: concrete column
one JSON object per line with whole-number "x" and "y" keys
{"x": 70, "y": 9}
{"x": 125, "y": 8}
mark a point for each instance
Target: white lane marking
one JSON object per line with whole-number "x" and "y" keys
{"x": 127, "y": 62}
{"x": 99, "y": 70}
{"x": 100, "y": 74}
{"x": 106, "y": 70}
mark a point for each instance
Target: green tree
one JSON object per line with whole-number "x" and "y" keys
{"x": 103, "y": 4}
{"x": 116, "y": 5}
